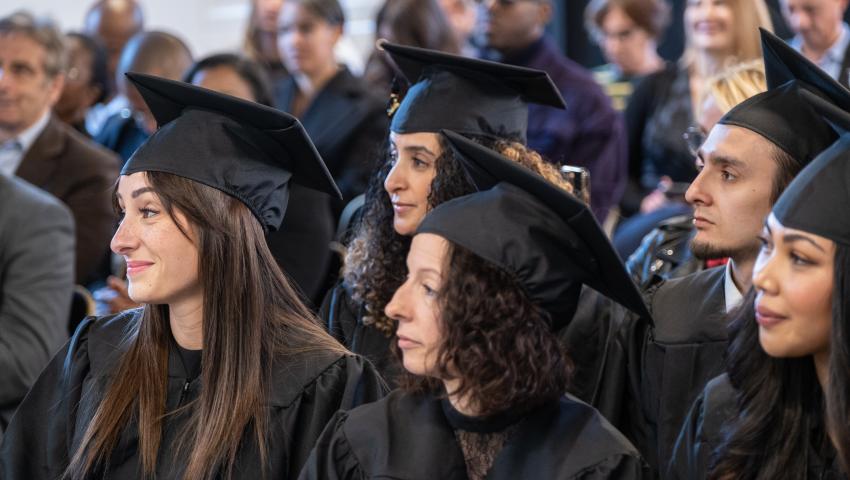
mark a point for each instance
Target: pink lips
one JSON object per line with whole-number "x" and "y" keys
{"x": 405, "y": 343}
{"x": 135, "y": 267}
{"x": 402, "y": 208}
{"x": 767, "y": 318}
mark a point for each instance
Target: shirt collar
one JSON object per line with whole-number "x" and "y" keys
{"x": 732, "y": 295}
{"x": 28, "y": 136}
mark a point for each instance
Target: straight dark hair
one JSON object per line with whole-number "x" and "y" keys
{"x": 251, "y": 314}
{"x": 780, "y": 403}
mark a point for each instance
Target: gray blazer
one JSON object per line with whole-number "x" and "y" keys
{"x": 36, "y": 284}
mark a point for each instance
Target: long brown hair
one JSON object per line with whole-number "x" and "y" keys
{"x": 251, "y": 314}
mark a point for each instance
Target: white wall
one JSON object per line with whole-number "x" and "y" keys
{"x": 206, "y": 25}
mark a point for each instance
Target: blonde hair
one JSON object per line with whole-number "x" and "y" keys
{"x": 735, "y": 84}
{"x": 749, "y": 16}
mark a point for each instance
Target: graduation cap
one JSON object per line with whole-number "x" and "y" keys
{"x": 522, "y": 223}
{"x": 467, "y": 95}
{"x": 246, "y": 150}
{"x": 808, "y": 202}
{"x": 785, "y": 114}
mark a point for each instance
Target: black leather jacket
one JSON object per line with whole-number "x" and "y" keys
{"x": 664, "y": 253}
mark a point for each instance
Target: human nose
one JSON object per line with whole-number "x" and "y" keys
{"x": 125, "y": 239}
{"x": 398, "y": 307}
{"x": 763, "y": 274}
{"x": 696, "y": 193}
{"x": 396, "y": 179}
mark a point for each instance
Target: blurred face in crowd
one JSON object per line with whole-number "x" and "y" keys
{"x": 114, "y": 24}
{"x": 709, "y": 25}
{"x": 79, "y": 93}
{"x": 141, "y": 113}
{"x": 266, "y": 13}
{"x": 514, "y": 24}
{"x": 415, "y": 304}
{"x": 731, "y": 194}
{"x": 162, "y": 261}
{"x": 624, "y": 43}
{"x": 224, "y": 79}
{"x": 818, "y": 22}
{"x": 793, "y": 277}
{"x": 414, "y": 166}
{"x": 26, "y": 90}
{"x": 306, "y": 41}
{"x": 461, "y": 14}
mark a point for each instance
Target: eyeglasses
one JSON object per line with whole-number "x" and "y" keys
{"x": 694, "y": 137}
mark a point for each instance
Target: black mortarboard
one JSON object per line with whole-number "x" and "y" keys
{"x": 545, "y": 237}
{"x": 784, "y": 114}
{"x": 467, "y": 95}
{"x": 814, "y": 199}
{"x": 244, "y": 149}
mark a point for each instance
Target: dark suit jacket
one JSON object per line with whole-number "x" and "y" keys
{"x": 36, "y": 280}
{"x": 81, "y": 174}
{"x": 347, "y": 124}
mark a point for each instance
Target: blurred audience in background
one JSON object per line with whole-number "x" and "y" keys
{"x": 154, "y": 53}
{"x": 589, "y": 133}
{"x": 39, "y": 148}
{"x": 260, "y": 42}
{"x": 86, "y": 80}
{"x": 627, "y": 31}
{"x": 416, "y": 23}
{"x": 112, "y": 23}
{"x": 666, "y": 103}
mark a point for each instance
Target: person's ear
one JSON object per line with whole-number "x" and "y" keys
{"x": 545, "y": 12}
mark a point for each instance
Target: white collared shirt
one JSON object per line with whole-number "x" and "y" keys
{"x": 834, "y": 57}
{"x": 731, "y": 293}
{"x": 22, "y": 142}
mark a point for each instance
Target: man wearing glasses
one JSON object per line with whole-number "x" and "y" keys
{"x": 589, "y": 133}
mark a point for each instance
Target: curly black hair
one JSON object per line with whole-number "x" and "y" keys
{"x": 496, "y": 342}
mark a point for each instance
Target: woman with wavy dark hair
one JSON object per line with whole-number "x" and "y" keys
{"x": 223, "y": 373}
{"x": 490, "y": 277}
{"x": 782, "y": 411}
{"x": 420, "y": 172}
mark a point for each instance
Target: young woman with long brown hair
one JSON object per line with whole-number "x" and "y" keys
{"x": 491, "y": 276}
{"x": 223, "y": 373}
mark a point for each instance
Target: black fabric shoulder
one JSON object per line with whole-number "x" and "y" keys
{"x": 105, "y": 337}
{"x": 690, "y": 309}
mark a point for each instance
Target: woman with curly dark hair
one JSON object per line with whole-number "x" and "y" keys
{"x": 782, "y": 411}
{"x": 483, "y": 100}
{"x": 491, "y": 276}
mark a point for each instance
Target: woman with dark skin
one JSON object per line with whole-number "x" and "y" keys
{"x": 419, "y": 173}
{"x": 490, "y": 276}
{"x": 223, "y": 373}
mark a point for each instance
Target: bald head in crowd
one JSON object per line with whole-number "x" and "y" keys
{"x": 153, "y": 53}
{"x": 114, "y": 22}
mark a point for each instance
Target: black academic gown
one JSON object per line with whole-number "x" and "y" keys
{"x": 406, "y": 436}
{"x": 308, "y": 389}
{"x": 347, "y": 123}
{"x": 704, "y": 431}
{"x": 655, "y": 371}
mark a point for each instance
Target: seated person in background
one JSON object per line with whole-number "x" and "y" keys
{"x": 748, "y": 159}
{"x": 154, "y": 53}
{"x": 85, "y": 80}
{"x": 483, "y": 396}
{"x": 414, "y": 23}
{"x": 665, "y": 103}
{"x": 821, "y": 34}
{"x": 587, "y": 133}
{"x": 224, "y": 373}
{"x": 627, "y": 31}
{"x": 36, "y": 281}
{"x": 662, "y": 252}
{"x": 112, "y": 23}
{"x": 346, "y": 121}
{"x": 37, "y": 147}
{"x": 462, "y": 16}
{"x": 260, "y": 42}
